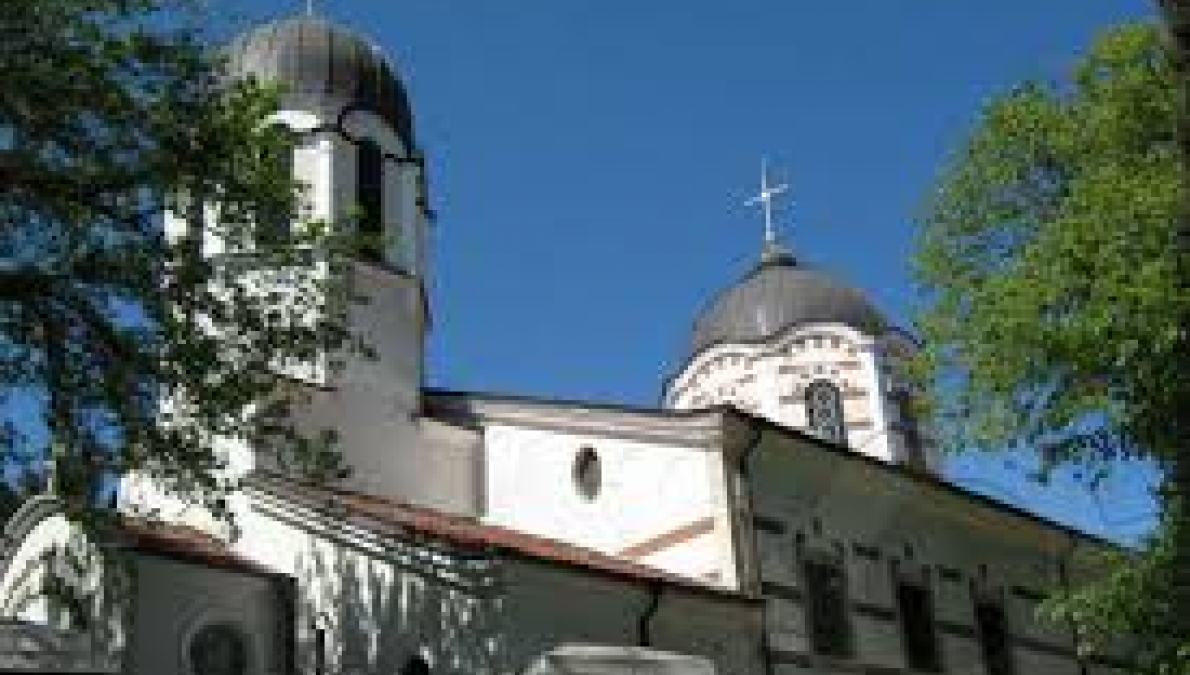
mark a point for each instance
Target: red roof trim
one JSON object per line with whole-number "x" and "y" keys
{"x": 401, "y": 517}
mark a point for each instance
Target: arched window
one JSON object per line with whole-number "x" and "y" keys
{"x": 369, "y": 197}
{"x": 276, "y": 219}
{"x": 588, "y": 475}
{"x": 824, "y": 411}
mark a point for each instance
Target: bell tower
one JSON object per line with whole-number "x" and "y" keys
{"x": 355, "y": 153}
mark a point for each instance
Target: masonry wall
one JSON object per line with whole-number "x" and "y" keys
{"x": 174, "y": 600}
{"x": 881, "y": 527}
{"x": 565, "y": 606}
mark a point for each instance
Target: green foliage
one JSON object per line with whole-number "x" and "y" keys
{"x": 1135, "y": 599}
{"x": 113, "y": 111}
{"x": 1044, "y": 253}
{"x": 1050, "y": 259}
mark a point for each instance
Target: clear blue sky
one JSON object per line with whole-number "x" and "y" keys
{"x": 589, "y": 162}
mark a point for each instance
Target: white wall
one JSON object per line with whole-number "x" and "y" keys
{"x": 649, "y": 490}
{"x": 393, "y": 453}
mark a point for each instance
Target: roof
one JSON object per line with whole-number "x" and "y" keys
{"x": 779, "y": 294}
{"x": 318, "y": 62}
{"x": 187, "y": 544}
{"x": 395, "y": 517}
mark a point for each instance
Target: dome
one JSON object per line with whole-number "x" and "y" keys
{"x": 777, "y": 295}
{"x": 317, "y": 63}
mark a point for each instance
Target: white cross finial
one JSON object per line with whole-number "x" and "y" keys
{"x": 767, "y": 192}
{"x": 310, "y": 7}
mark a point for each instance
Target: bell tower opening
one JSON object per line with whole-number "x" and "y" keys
{"x": 369, "y": 195}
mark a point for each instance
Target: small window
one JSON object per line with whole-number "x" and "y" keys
{"x": 369, "y": 194}
{"x": 824, "y": 411}
{"x": 917, "y": 628}
{"x": 830, "y": 622}
{"x": 218, "y": 649}
{"x": 587, "y": 473}
{"x": 993, "y": 638}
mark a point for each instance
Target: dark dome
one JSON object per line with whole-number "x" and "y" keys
{"x": 318, "y": 62}
{"x": 780, "y": 294}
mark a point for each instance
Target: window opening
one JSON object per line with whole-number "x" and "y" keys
{"x": 830, "y": 621}
{"x": 588, "y": 473}
{"x": 917, "y": 628}
{"x": 319, "y": 651}
{"x": 824, "y": 410}
{"x": 993, "y": 638}
{"x": 369, "y": 187}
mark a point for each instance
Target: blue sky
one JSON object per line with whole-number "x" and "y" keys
{"x": 590, "y": 160}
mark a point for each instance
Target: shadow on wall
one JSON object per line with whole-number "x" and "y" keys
{"x": 422, "y": 611}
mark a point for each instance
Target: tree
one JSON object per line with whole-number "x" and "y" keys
{"x": 1054, "y": 273}
{"x": 111, "y": 112}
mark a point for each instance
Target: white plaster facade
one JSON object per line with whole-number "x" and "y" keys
{"x": 662, "y": 496}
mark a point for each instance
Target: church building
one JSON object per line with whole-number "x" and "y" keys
{"x": 780, "y": 513}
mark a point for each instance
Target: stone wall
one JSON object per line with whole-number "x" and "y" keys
{"x": 883, "y": 527}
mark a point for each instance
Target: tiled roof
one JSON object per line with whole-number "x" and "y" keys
{"x": 186, "y": 543}
{"x": 393, "y": 517}
{"x": 469, "y": 532}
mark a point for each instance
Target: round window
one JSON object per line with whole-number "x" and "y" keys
{"x": 588, "y": 475}
{"x": 218, "y": 649}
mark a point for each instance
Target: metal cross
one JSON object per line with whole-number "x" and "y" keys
{"x": 309, "y": 7}
{"x": 767, "y": 192}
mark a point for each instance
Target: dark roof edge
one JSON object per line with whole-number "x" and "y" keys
{"x": 567, "y": 403}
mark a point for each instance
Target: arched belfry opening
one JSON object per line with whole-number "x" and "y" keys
{"x": 370, "y": 199}
{"x": 345, "y": 127}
